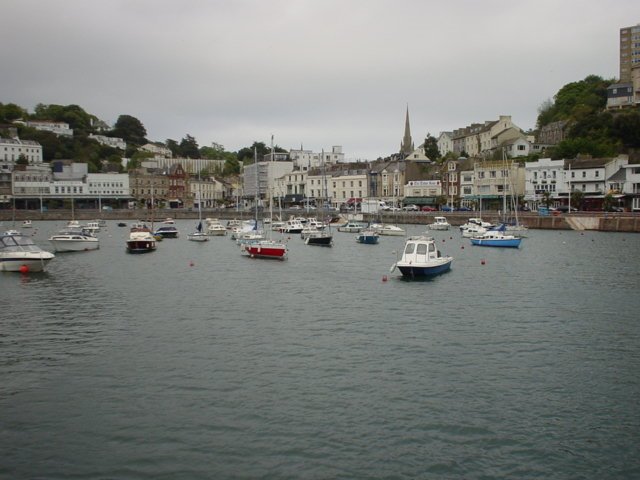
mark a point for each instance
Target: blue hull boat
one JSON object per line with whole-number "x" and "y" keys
{"x": 496, "y": 237}
{"x": 496, "y": 242}
{"x": 421, "y": 258}
{"x": 368, "y": 238}
{"x": 415, "y": 272}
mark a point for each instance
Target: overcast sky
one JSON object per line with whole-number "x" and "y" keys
{"x": 311, "y": 72}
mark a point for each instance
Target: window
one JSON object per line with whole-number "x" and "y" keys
{"x": 492, "y": 174}
{"x": 584, "y": 174}
{"x": 597, "y": 173}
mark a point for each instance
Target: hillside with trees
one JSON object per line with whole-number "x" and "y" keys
{"x": 592, "y": 129}
{"x": 82, "y": 148}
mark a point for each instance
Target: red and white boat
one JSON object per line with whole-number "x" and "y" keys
{"x": 266, "y": 249}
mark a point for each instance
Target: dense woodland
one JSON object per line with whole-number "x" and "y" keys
{"x": 592, "y": 130}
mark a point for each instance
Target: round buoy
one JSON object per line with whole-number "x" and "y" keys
{"x": 462, "y": 248}
{"x": 191, "y": 264}
{"x": 384, "y": 278}
{"x": 482, "y": 262}
{"x": 450, "y": 238}
{"x": 24, "y": 269}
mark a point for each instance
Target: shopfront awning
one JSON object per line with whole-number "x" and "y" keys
{"x": 420, "y": 201}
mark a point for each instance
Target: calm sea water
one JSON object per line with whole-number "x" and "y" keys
{"x": 196, "y": 362}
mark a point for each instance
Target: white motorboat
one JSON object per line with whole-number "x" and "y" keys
{"x": 141, "y": 240}
{"x": 439, "y": 223}
{"x": 27, "y": 224}
{"x": 215, "y": 228}
{"x": 352, "y": 227}
{"x": 74, "y": 240}
{"x": 421, "y": 258}
{"x": 386, "y": 229}
{"x": 292, "y": 225}
{"x": 92, "y": 227}
{"x": 18, "y": 253}
{"x": 476, "y": 222}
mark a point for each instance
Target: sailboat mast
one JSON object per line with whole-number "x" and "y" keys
{"x": 270, "y": 193}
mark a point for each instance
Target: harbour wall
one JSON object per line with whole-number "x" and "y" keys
{"x": 605, "y": 222}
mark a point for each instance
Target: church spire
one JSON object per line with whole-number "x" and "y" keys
{"x": 406, "y": 146}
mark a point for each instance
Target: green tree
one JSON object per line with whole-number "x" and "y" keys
{"x": 22, "y": 160}
{"x": 431, "y": 147}
{"x": 575, "y": 101}
{"x": 596, "y": 147}
{"x": 11, "y": 111}
{"x": 189, "y": 147}
{"x": 78, "y": 119}
{"x": 231, "y": 167}
{"x": 246, "y": 155}
{"x": 173, "y": 146}
{"x": 608, "y": 202}
{"x": 130, "y": 129}
{"x": 577, "y": 196}
{"x": 626, "y": 128}
{"x": 546, "y": 199}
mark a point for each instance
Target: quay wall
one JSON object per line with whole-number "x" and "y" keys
{"x": 606, "y": 222}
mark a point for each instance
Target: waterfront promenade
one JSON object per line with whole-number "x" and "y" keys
{"x": 599, "y": 221}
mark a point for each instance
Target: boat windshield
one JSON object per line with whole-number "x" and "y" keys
{"x": 17, "y": 243}
{"x": 410, "y": 248}
{"x": 422, "y": 249}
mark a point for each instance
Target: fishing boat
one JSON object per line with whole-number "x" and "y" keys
{"x": 496, "y": 238}
{"x": 74, "y": 240}
{"x": 18, "y": 253}
{"x": 368, "y": 237}
{"x": 421, "y": 258}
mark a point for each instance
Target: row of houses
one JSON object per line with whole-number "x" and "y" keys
{"x": 463, "y": 182}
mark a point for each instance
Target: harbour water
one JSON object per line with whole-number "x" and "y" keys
{"x": 196, "y": 362}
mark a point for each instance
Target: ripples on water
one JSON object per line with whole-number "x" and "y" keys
{"x": 196, "y": 362}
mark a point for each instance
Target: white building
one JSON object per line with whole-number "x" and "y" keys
{"x": 59, "y": 128}
{"x": 305, "y": 159}
{"x": 190, "y": 165}
{"x": 207, "y": 190}
{"x": 12, "y": 148}
{"x": 108, "y": 186}
{"x": 631, "y": 186}
{"x": 445, "y": 143}
{"x": 114, "y": 142}
{"x": 423, "y": 188}
{"x": 157, "y": 150}
{"x": 543, "y": 175}
{"x": 264, "y": 184}
{"x": 348, "y": 185}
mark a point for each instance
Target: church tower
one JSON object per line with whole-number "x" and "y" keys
{"x": 406, "y": 146}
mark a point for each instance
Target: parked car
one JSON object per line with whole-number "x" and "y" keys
{"x": 464, "y": 209}
{"x": 564, "y": 209}
{"x": 615, "y": 209}
{"x": 447, "y": 208}
{"x": 410, "y": 208}
{"x": 427, "y": 208}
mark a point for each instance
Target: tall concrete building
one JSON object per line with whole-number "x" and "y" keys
{"x": 629, "y": 52}
{"x": 406, "y": 146}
